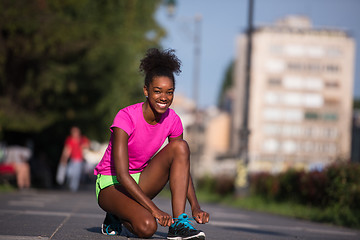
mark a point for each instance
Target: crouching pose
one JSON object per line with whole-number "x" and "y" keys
{"x": 132, "y": 171}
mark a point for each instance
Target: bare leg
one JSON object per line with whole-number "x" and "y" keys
{"x": 171, "y": 163}
{"x": 22, "y": 174}
{"x": 135, "y": 217}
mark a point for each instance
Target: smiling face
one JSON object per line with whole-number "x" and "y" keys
{"x": 160, "y": 94}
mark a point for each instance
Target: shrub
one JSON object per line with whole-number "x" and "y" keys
{"x": 335, "y": 190}
{"x": 206, "y": 184}
{"x": 338, "y": 184}
{"x": 344, "y": 184}
{"x": 312, "y": 188}
{"x": 221, "y": 185}
{"x": 225, "y": 185}
{"x": 289, "y": 185}
{"x": 264, "y": 184}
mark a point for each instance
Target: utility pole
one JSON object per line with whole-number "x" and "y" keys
{"x": 244, "y": 132}
{"x": 245, "y": 128}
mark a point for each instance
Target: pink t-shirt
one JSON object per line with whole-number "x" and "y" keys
{"x": 144, "y": 139}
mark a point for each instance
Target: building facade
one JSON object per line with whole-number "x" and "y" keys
{"x": 301, "y": 93}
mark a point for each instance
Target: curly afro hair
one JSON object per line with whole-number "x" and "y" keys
{"x": 158, "y": 63}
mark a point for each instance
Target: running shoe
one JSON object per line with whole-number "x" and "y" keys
{"x": 111, "y": 225}
{"x": 182, "y": 229}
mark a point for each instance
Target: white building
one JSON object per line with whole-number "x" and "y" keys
{"x": 300, "y": 103}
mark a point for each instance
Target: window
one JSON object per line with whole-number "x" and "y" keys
{"x": 293, "y": 82}
{"x": 294, "y": 66}
{"x": 272, "y": 129}
{"x": 316, "y": 132}
{"x": 294, "y": 50}
{"x": 332, "y": 84}
{"x": 333, "y": 52}
{"x": 312, "y": 67}
{"x": 291, "y": 131}
{"x": 292, "y": 115}
{"x": 332, "y": 68}
{"x": 330, "y": 132}
{"x": 271, "y": 145}
{"x": 289, "y": 115}
{"x": 332, "y": 102}
{"x": 313, "y": 100}
{"x": 330, "y": 148}
{"x": 315, "y": 51}
{"x": 276, "y": 49}
{"x": 272, "y": 114}
{"x": 308, "y": 146}
{"x": 311, "y": 115}
{"x": 293, "y": 99}
{"x": 274, "y": 81}
{"x": 275, "y": 66}
{"x": 289, "y": 146}
{"x": 272, "y": 98}
{"x": 313, "y": 84}
{"x": 330, "y": 116}
{"x": 308, "y": 131}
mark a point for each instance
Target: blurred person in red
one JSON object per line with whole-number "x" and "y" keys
{"x": 72, "y": 159}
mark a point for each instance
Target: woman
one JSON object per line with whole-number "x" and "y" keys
{"x": 73, "y": 153}
{"x": 132, "y": 171}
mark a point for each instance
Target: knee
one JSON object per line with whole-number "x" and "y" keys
{"x": 180, "y": 147}
{"x": 146, "y": 228}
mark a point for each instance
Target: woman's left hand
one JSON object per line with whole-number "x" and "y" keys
{"x": 200, "y": 216}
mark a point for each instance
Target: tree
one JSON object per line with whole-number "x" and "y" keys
{"x": 356, "y": 103}
{"x": 223, "y": 100}
{"x": 64, "y": 61}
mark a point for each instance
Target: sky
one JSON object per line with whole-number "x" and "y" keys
{"x": 224, "y": 20}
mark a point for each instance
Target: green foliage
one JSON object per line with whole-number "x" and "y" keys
{"x": 265, "y": 185}
{"x": 335, "y": 190}
{"x": 330, "y": 196}
{"x": 222, "y": 185}
{"x": 72, "y": 61}
{"x": 6, "y": 187}
{"x": 311, "y": 188}
{"x": 206, "y": 183}
{"x": 288, "y": 184}
{"x": 356, "y": 104}
{"x": 226, "y": 85}
{"x": 344, "y": 187}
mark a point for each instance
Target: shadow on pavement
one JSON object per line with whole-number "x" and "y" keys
{"x": 256, "y": 231}
{"x": 94, "y": 229}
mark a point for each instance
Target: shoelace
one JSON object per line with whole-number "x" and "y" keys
{"x": 185, "y": 220}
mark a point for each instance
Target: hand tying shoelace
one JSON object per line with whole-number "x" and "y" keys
{"x": 184, "y": 219}
{"x": 182, "y": 229}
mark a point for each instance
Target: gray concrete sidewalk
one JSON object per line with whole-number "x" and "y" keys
{"x": 39, "y": 214}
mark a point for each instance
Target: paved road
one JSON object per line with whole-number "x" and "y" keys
{"x": 40, "y": 215}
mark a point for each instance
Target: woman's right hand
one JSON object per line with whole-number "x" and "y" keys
{"x": 163, "y": 218}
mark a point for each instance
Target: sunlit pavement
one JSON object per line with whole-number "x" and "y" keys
{"x": 42, "y": 214}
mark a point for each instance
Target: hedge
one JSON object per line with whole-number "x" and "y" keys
{"x": 336, "y": 189}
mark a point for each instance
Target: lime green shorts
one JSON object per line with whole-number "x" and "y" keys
{"x": 104, "y": 181}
